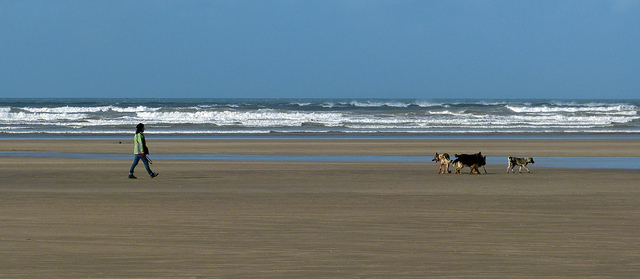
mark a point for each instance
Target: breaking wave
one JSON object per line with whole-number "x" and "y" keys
{"x": 317, "y": 116}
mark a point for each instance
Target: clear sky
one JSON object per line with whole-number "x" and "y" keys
{"x": 320, "y": 49}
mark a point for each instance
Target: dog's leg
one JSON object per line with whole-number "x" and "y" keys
{"x": 528, "y": 171}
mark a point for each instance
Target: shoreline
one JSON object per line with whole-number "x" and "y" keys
{"x": 399, "y": 147}
{"x": 327, "y": 136}
{"x": 544, "y": 162}
{"x": 550, "y": 153}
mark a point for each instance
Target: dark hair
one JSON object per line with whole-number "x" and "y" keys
{"x": 139, "y": 128}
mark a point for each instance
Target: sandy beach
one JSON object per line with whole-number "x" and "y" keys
{"x": 81, "y": 218}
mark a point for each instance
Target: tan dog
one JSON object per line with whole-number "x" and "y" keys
{"x": 444, "y": 161}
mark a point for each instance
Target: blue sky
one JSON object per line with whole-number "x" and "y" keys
{"x": 320, "y": 49}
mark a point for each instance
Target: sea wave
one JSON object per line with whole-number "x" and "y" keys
{"x": 607, "y": 109}
{"x": 73, "y": 110}
{"x": 319, "y": 116}
{"x": 258, "y": 118}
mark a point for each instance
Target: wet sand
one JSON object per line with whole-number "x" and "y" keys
{"x": 80, "y": 218}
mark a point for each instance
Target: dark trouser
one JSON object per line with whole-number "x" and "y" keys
{"x": 137, "y": 158}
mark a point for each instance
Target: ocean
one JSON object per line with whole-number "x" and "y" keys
{"x": 341, "y": 118}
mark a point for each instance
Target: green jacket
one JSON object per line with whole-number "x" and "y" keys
{"x": 139, "y": 144}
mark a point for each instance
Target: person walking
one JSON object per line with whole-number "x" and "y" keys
{"x": 140, "y": 151}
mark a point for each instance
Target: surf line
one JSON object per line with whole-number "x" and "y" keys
{"x": 551, "y": 162}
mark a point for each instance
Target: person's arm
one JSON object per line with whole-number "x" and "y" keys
{"x": 145, "y": 149}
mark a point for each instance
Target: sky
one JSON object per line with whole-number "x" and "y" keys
{"x": 453, "y": 49}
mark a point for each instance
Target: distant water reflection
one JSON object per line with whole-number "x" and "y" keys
{"x": 552, "y": 162}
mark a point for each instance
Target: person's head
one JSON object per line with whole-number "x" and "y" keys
{"x": 140, "y": 128}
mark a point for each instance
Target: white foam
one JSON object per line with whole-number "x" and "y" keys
{"x": 372, "y": 104}
{"x": 614, "y": 109}
{"x": 24, "y": 117}
{"x": 71, "y": 109}
{"x": 64, "y": 110}
{"x": 133, "y": 109}
{"x": 338, "y": 116}
{"x": 258, "y": 118}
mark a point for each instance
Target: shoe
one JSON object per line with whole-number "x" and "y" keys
{"x": 132, "y": 177}
{"x": 154, "y": 174}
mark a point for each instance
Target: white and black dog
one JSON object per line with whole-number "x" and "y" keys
{"x": 522, "y": 162}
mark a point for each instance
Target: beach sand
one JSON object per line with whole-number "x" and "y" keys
{"x": 81, "y": 218}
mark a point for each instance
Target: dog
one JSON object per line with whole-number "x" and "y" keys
{"x": 473, "y": 161}
{"x": 444, "y": 161}
{"x": 522, "y": 162}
